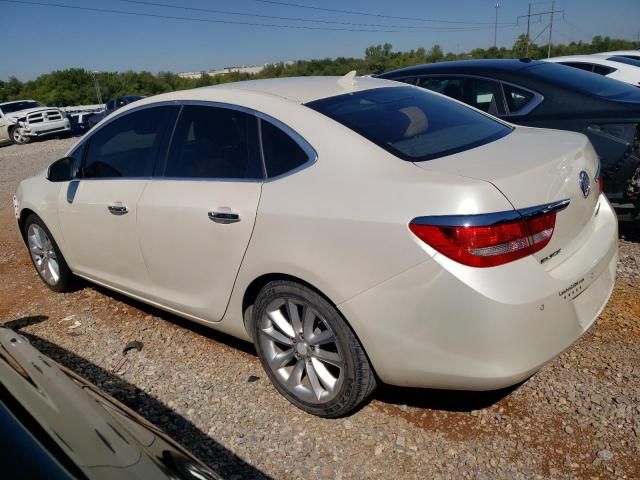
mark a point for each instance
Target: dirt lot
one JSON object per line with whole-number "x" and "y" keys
{"x": 577, "y": 418}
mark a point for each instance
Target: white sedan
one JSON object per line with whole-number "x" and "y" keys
{"x": 356, "y": 230}
{"x": 618, "y": 70}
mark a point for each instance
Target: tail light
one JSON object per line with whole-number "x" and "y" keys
{"x": 489, "y": 240}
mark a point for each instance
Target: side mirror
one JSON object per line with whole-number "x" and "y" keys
{"x": 61, "y": 170}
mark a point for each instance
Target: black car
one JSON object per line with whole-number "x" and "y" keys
{"x": 56, "y": 425}
{"x": 547, "y": 95}
{"x": 112, "y": 106}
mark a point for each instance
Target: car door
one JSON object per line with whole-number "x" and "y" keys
{"x": 196, "y": 218}
{"x": 98, "y": 210}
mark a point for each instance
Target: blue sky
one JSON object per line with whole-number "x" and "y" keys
{"x": 37, "y": 39}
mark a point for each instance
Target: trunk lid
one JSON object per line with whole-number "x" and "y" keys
{"x": 533, "y": 167}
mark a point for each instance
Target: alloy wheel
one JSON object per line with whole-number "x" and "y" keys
{"x": 43, "y": 254}
{"x": 302, "y": 350}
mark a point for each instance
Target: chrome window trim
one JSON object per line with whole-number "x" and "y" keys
{"x": 296, "y": 137}
{"x": 489, "y": 219}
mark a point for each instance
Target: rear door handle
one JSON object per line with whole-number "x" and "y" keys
{"x": 118, "y": 209}
{"x": 223, "y": 217}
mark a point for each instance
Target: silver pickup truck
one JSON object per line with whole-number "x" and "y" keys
{"x": 21, "y": 120}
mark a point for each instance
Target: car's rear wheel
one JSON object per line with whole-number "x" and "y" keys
{"x": 309, "y": 352}
{"x": 17, "y": 136}
{"x": 46, "y": 256}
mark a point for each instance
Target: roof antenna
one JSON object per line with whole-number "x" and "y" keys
{"x": 348, "y": 80}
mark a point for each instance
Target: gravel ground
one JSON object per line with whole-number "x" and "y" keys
{"x": 579, "y": 417}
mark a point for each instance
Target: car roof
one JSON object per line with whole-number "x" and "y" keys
{"x": 620, "y": 52}
{"x": 460, "y": 66}
{"x": 302, "y": 89}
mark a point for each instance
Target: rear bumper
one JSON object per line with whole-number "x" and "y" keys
{"x": 444, "y": 325}
{"x": 47, "y": 128}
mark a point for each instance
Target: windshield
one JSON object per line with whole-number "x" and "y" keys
{"x": 17, "y": 106}
{"x": 584, "y": 82}
{"x": 412, "y": 123}
{"x": 625, "y": 60}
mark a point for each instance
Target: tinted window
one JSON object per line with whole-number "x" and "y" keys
{"x": 626, "y": 60}
{"x": 451, "y": 87}
{"x": 411, "y": 123}
{"x": 212, "y": 142}
{"x": 17, "y": 106}
{"x": 482, "y": 94}
{"x": 602, "y": 70}
{"x": 583, "y": 82}
{"x": 517, "y": 98}
{"x": 485, "y": 95}
{"x": 281, "y": 152}
{"x": 582, "y": 66}
{"x": 126, "y": 147}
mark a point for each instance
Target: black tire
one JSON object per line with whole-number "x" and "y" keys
{"x": 24, "y": 141}
{"x": 357, "y": 379}
{"x": 66, "y": 278}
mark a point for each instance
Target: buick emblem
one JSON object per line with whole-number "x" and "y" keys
{"x": 585, "y": 183}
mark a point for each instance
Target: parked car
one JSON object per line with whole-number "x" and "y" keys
{"x": 547, "y": 95}
{"x": 620, "y": 59}
{"x": 22, "y": 120}
{"x": 632, "y": 54}
{"x": 593, "y": 63}
{"x": 355, "y": 229}
{"x": 56, "y": 425}
{"x": 110, "y": 107}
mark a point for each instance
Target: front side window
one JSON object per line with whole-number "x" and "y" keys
{"x": 127, "y": 146}
{"x": 411, "y": 123}
{"x": 281, "y": 153}
{"x": 451, "y": 87}
{"x": 213, "y": 142}
{"x": 517, "y": 98}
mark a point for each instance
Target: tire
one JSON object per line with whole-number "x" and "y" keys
{"x": 17, "y": 138}
{"x": 46, "y": 256}
{"x": 318, "y": 365}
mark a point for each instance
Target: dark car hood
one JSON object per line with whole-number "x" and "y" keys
{"x": 102, "y": 437}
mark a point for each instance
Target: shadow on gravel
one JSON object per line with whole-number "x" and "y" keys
{"x": 447, "y": 400}
{"x": 195, "y": 327}
{"x": 217, "y": 457}
{"x": 629, "y": 231}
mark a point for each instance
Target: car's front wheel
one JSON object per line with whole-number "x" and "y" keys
{"x": 309, "y": 352}
{"x": 46, "y": 256}
{"x": 17, "y": 136}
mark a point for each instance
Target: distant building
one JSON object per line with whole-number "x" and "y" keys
{"x": 253, "y": 69}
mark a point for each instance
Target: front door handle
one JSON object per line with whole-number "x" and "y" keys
{"x": 118, "y": 209}
{"x": 224, "y": 217}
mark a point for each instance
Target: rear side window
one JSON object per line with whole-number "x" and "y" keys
{"x": 127, "y": 146}
{"x": 602, "y": 70}
{"x": 517, "y": 98}
{"x": 582, "y": 66}
{"x": 281, "y": 153}
{"x": 412, "y": 123}
{"x": 214, "y": 142}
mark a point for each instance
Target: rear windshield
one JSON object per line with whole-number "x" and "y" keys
{"x": 625, "y": 60}
{"x": 412, "y": 123}
{"x": 584, "y": 82}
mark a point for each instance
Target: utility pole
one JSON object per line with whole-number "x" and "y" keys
{"x": 553, "y": 4}
{"x": 528, "y": 40}
{"x": 495, "y": 30}
{"x": 97, "y": 85}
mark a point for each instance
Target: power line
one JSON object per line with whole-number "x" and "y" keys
{"x": 206, "y": 20}
{"x": 367, "y": 14}
{"x": 298, "y": 19}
